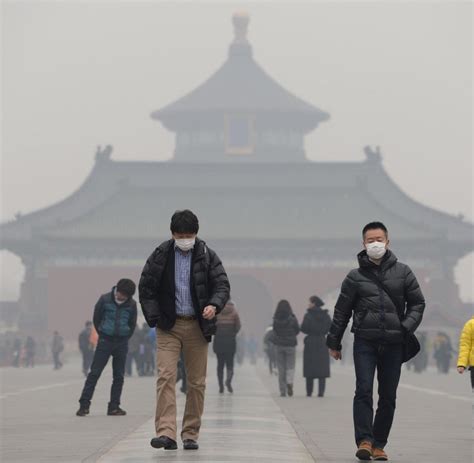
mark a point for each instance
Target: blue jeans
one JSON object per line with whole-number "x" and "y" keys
{"x": 106, "y": 347}
{"x": 387, "y": 359}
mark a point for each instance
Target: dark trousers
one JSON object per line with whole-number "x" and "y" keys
{"x": 472, "y": 377}
{"x": 117, "y": 348}
{"x": 226, "y": 360}
{"x": 387, "y": 360}
{"x": 87, "y": 356}
{"x": 310, "y": 386}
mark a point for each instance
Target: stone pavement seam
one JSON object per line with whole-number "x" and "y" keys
{"x": 94, "y": 457}
{"x": 312, "y": 447}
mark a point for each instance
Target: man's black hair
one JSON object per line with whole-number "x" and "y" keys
{"x": 184, "y": 222}
{"x": 374, "y": 226}
{"x": 126, "y": 286}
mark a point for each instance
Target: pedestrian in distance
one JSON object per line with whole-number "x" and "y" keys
{"x": 30, "y": 352}
{"x": 316, "y": 324}
{"x": 86, "y": 347}
{"x": 228, "y": 325}
{"x": 57, "y": 347}
{"x": 285, "y": 328}
{"x": 269, "y": 349}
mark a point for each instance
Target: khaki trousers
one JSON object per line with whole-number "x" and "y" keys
{"x": 186, "y": 335}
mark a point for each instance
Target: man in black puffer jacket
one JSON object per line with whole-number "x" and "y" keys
{"x": 383, "y": 315}
{"x": 182, "y": 288}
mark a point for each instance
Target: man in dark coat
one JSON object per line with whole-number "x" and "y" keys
{"x": 387, "y": 304}
{"x": 316, "y": 324}
{"x": 86, "y": 347}
{"x": 115, "y": 319}
{"x": 182, "y": 288}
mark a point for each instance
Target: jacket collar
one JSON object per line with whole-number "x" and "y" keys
{"x": 199, "y": 250}
{"x": 389, "y": 259}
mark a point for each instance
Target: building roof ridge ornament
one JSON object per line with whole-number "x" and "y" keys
{"x": 240, "y": 45}
{"x": 103, "y": 154}
{"x": 373, "y": 155}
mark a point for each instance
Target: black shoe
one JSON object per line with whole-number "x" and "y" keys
{"x": 290, "y": 389}
{"x": 83, "y": 411}
{"x": 229, "y": 386}
{"x": 221, "y": 389}
{"x": 282, "y": 394}
{"x": 116, "y": 412}
{"x": 163, "y": 442}
{"x": 189, "y": 444}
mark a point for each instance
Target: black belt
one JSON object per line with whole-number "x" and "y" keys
{"x": 186, "y": 317}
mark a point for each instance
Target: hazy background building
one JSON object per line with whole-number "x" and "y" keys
{"x": 80, "y": 74}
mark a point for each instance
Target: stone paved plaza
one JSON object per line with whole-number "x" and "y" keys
{"x": 433, "y": 422}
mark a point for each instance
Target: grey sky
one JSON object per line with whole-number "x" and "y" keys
{"x": 77, "y": 74}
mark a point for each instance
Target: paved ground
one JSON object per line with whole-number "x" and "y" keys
{"x": 433, "y": 422}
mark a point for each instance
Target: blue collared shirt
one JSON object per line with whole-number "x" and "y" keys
{"x": 182, "y": 278}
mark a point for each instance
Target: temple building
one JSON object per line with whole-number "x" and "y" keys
{"x": 285, "y": 226}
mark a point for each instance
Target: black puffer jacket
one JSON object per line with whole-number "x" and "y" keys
{"x": 285, "y": 331}
{"x": 375, "y": 316}
{"x": 209, "y": 286}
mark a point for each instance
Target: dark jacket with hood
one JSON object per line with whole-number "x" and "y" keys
{"x": 157, "y": 288}
{"x": 375, "y": 316}
{"x": 115, "y": 320}
{"x": 316, "y": 324}
{"x": 285, "y": 330}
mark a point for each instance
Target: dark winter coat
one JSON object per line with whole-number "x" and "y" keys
{"x": 285, "y": 331}
{"x": 112, "y": 319}
{"x": 209, "y": 286}
{"x": 316, "y": 324}
{"x": 228, "y": 325}
{"x": 375, "y": 316}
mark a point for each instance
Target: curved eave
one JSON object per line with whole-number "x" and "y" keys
{"x": 448, "y": 227}
{"x": 19, "y": 232}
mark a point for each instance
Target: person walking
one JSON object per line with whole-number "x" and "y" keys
{"x": 443, "y": 352}
{"x": 466, "y": 350}
{"x": 86, "y": 348}
{"x": 228, "y": 325}
{"x": 386, "y": 303}
{"x": 316, "y": 324}
{"x": 57, "y": 347}
{"x": 182, "y": 287}
{"x": 30, "y": 352}
{"x": 269, "y": 349}
{"x": 115, "y": 319}
{"x": 17, "y": 346}
{"x": 132, "y": 353}
{"x": 285, "y": 328}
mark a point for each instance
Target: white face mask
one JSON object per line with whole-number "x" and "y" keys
{"x": 186, "y": 244}
{"x": 376, "y": 250}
